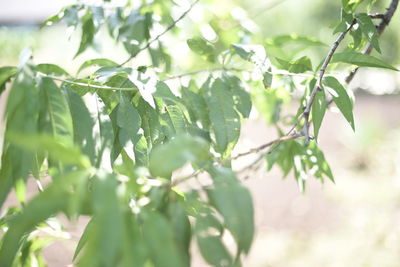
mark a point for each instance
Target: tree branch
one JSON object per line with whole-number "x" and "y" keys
{"x": 386, "y": 18}
{"x": 306, "y": 113}
{"x": 161, "y": 34}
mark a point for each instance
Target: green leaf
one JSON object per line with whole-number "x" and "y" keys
{"x": 178, "y": 119}
{"x": 51, "y": 69}
{"x": 59, "y": 113}
{"x": 361, "y": 60}
{"x": 182, "y": 230}
{"x": 128, "y": 119}
{"x": 22, "y": 112}
{"x": 6, "y": 73}
{"x": 211, "y": 246}
{"x": 159, "y": 240}
{"x": 168, "y": 157}
{"x": 267, "y": 79}
{"x": 351, "y": 5}
{"x": 197, "y": 106}
{"x": 318, "y": 109}
{"x": 294, "y": 39}
{"x": 357, "y": 37}
{"x": 252, "y": 53}
{"x": 225, "y": 121}
{"x": 134, "y": 31}
{"x": 68, "y": 13}
{"x": 234, "y": 203}
{"x": 323, "y": 166}
{"x": 202, "y": 48}
{"x": 88, "y": 31}
{"x": 103, "y": 62}
{"x": 300, "y": 65}
{"x": 369, "y": 29}
{"x": 52, "y": 200}
{"x": 48, "y": 144}
{"x": 341, "y": 99}
{"x": 83, "y": 239}
{"x": 107, "y": 230}
{"x": 150, "y": 123}
{"x": 240, "y": 96}
{"x": 83, "y": 124}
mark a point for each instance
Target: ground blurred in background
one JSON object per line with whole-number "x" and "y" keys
{"x": 354, "y": 222}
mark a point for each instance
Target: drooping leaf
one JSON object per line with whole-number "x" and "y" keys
{"x": 197, "y": 106}
{"x": 83, "y": 239}
{"x": 240, "y": 96}
{"x": 361, "y": 60}
{"x": 128, "y": 119}
{"x": 181, "y": 229}
{"x": 234, "y": 203}
{"x": 88, "y": 31}
{"x": 225, "y": 121}
{"x": 150, "y": 123}
{"x": 210, "y": 243}
{"x": 318, "y": 109}
{"x": 178, "y": 119}
{"x": 22, "y": 112}
{"x": 53, "y": 199}
{"x": 369, "y": 29}
{"x": 83, "y": 124}
{"x": 357, "y": 37}
{"x": 106, "y": 230}
{"x": 166, "y": 158}
{"x": 48, "y": 144}
{"x": 267, "y": 79}
{"x": 134, "y": 31}
{"x": 59, "y": 113}
{"x": 159, "y": 240}
{"x": 341, "y": 99}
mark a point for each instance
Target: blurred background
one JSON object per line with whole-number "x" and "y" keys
{"x": 354, "y": 222}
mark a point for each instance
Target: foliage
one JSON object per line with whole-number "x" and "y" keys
{"x": 112, "y": 140}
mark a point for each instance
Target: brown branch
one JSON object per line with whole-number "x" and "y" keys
{"x": 161, "y": 34}
{"x": 377, "y": 16}
{"x": 386, "y": 18}
{"x": 266, "y": 145}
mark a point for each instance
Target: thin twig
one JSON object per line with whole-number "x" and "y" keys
{"x": 102, "y": 87}
{"x": 266, "y": 145}
{"x": 283, "y": 73}
{"x": 318, "y": 85}
{"x": 387, "y": 17}
{"x": 161, "y": 34}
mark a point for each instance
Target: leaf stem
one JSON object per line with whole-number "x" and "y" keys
{"x": 95, "y": 86}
